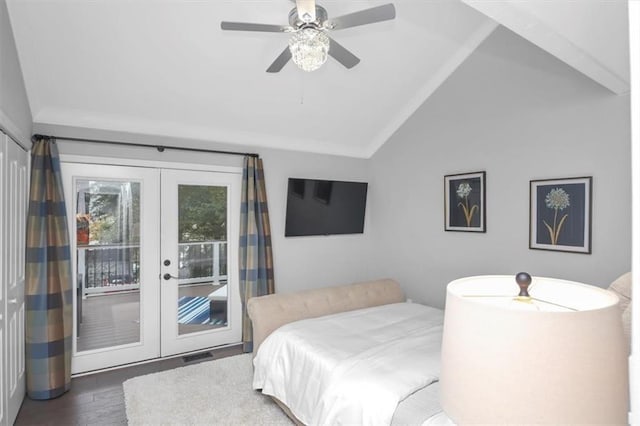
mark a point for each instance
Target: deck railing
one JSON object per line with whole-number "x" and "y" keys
{"x": 202, "y": 262}
{"x": 110, "y": 268}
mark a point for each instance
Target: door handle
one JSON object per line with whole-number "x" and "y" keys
{"x": 12, "y": 301}
{"x": 167, "y": 277}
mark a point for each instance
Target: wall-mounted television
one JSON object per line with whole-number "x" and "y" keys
{"x": 324, "y": 207}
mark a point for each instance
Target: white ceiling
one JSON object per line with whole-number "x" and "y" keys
{"x": 590, "y": 35}
{"x": 164, "y": 67}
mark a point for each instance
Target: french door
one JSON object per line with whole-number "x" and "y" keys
{"x": 155, "y": 262}
{"x": 200, "y": 225}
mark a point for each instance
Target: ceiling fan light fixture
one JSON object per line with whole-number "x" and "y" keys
{"x": 309, "y": 48}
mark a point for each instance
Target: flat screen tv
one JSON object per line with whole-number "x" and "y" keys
{"x": 325, "y": 207}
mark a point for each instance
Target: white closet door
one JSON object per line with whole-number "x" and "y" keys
{"x": 13, "y": 204}
{"x": 3, "y": 277}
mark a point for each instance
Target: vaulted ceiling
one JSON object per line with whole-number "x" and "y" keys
{"x": 165, "y": 68}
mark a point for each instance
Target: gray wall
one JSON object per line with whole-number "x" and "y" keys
{"x": 519, "y": 114}
{"x": 300, "y": 262}
{"x": 15, "y": 115}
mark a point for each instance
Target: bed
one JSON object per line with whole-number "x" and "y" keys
{"x": 382, "y": 364}
{"x": 284, "y": 311}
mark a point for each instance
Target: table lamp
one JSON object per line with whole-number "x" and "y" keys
{"x": 535, "y": 350}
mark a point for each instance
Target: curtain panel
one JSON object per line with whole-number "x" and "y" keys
{"x": 256, "y": 256}
{"x": 48, "y": 293}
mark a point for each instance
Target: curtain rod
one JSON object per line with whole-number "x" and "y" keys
{"x": 160, "y": 148}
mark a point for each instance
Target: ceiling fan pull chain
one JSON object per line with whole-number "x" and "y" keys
{"x": 302, "y": 77}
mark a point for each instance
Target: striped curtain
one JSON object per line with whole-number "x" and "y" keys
{"x": 256, "y": 257}
{"x": 49, "y": 304}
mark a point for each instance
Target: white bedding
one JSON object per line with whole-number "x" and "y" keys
{"x": 419, "y": 408}
{"x": 353, "y": 367}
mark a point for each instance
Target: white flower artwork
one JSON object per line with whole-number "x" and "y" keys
{"x": 465, "y": 202}
{"x": 464, "y": 189}
{"x": 556, "y": 199}
{"x": 560, "y": 214}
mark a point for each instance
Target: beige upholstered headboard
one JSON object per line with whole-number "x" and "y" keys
{"x": 267, "y": 313}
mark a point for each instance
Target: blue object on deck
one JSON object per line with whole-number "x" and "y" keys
{"x": 193, "y": 310}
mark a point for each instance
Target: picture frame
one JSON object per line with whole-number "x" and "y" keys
{"x": 560, "y": 214}
{"x": 465, "y": 202}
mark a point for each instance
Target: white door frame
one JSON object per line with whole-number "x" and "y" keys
{"x": 634, "y": 357}
{"x": 148, "y": 345}
{"x": 172, "y": 342}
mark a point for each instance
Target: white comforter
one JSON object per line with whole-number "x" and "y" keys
{"x": 353, "y": 367}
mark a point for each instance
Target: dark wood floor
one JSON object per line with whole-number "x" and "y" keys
{"x": 98, "y": 399}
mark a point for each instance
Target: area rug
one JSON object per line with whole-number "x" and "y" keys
{"x": 214, "y": 393}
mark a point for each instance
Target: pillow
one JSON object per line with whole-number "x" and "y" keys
{"x": 622, "y": 287}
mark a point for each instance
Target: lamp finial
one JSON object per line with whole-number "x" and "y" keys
{"x": 524, "y": 281}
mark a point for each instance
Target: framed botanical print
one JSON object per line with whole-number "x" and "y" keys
{"x": 560, "y": 214}
{"x": 464, "y": 202}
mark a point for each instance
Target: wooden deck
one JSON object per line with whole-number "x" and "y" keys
{"x": 109, "y": 320}
{"x": 113, "y": 319}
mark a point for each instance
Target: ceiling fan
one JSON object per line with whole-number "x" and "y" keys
{"x": 309, "y": 24}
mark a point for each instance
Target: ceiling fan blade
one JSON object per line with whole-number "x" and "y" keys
{"x": 246, "y": 26}
{"x": 363, "y": 17}
{"x": 306, "y": 10}
{"x": 280, "y": 61}
{"x": 342, "y": 55}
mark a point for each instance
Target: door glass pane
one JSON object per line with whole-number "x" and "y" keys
{"x": 202, "y": 257}
{"x": 108, "y": 263}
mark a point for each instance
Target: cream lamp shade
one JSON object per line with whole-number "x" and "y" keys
{"x": 558, "y": 357}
